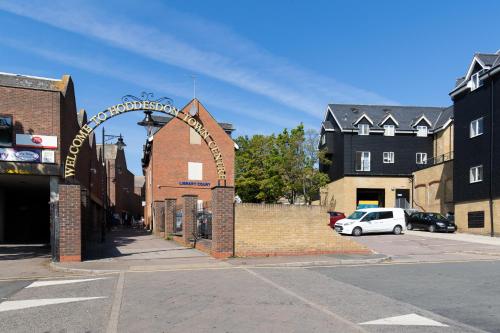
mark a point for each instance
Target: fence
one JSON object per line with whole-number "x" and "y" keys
{"x": 204, "y": 220}
{"x": 178, "y": 220}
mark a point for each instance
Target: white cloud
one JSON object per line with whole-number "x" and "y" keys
{"x": 233, "y": 60}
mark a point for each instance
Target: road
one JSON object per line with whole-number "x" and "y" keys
{"x": 463, "y": 296}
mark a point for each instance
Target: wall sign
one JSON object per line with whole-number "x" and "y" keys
{"x": 191, "y": 183}
{"x": 20, "y": 155}
{"x": 36, "y": 141}
{"x": 48, "y": 156}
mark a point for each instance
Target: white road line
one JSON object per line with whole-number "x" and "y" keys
{"x": 30, "y": 303}
{"x": 321, "y": 308}
{"x": 405, "y": 320}
{"x": 117, "y": 304}
{"x": 58, "y": 282}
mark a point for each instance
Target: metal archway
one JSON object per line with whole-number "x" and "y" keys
{"x": 144, "y": 103}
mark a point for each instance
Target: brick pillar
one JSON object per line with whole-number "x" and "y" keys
{"x": 159, "y": 218}
{"x": 189, "y": 217}
{"x": 70, "y": 222}
{"x": 170, "y": 212}
{"x": 222, "y": 221}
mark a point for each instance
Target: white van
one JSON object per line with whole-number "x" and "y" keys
{"x": 369, "y": 220}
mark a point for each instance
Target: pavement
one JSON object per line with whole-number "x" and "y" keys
{"x": 430, "y": 284}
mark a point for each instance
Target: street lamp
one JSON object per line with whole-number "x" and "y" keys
{"x": 148, "y": 122}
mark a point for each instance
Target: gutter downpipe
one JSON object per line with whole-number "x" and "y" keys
{"x": 492, "y": 111}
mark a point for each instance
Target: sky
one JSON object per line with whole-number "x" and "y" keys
{"x": 260, "y": 65}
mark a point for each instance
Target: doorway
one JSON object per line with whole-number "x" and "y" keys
{"x": 370, "y": 197}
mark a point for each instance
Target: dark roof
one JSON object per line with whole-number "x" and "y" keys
{"x": 227, "y": 127}
{"x": 328, "y": 125}
{"x": 445, "y": 116}
{"x": 31, "y": 82}
{"x": 348, "y": 114}
{"x": 487, "y": 59}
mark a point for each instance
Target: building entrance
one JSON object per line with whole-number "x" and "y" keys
{"x": 370, "y": 197}
{"x": 24, "y": 209}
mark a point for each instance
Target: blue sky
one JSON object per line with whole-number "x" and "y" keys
{"x": 261, "y": 65}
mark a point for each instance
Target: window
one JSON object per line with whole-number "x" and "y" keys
{"x": 388, "y": 157}
{"x": 476, "y": 174}
{"x": 389, "y": 130}
{"x": 476, "y": 127}
{"x": 422, "y": 131}
{"x": 323, "y": 139}
{"x": 362, "y": 161}
{"x": 370, "y": 217}
{"x": 385, "y": 215}
{"x": 421, "y": 158}
{"x": 195, "y": 171}
{"x": 6, "y": 131}
{"x": 194, "y": 137}
{"x": 364, "y": 129}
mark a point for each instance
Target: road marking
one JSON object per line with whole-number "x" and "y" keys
{"x": 321, "y": 308}
{"x": 30, "y": 303}
{"x": 117, "y": 304}
{"x": 58, "y": 282}
{"x": 406, "y": 320}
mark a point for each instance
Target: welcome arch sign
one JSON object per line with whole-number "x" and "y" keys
{"x": 145, "y": 103}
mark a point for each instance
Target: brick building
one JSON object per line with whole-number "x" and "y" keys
{"x": 123, "y": 200}
{"x": 177, "y": 161}
{"x": 38, "y": 122}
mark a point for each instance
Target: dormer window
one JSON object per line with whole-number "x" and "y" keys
{"x": 389, "y": 130}
{"x": 422, "y": 131}
{"x": 363, "y": 129}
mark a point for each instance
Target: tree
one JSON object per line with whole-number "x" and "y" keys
{"x": 272, "y": 167}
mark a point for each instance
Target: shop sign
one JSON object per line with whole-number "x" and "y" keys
{"x": 36, "y": 141}
{"x": 48, "y": 156}
{"x": 20, "y": 155}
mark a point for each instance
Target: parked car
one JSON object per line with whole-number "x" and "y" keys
{"x": 373, "y": 220}
{"x": 334, "y": 217}
{"x": 431, "y": 222}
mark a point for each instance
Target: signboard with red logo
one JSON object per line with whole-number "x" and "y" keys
{"x": 36, "y": 141}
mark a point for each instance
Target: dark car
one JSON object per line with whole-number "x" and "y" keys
{"x": 431, "y": 222}
{"x": 334, "y": 217}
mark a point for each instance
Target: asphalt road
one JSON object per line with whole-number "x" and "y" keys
{"x": 462, "y": 296}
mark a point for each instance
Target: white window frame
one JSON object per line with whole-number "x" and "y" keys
{"x": 388, "y": 157}
{"x": 195, "y": 171}
{"x": 476, "y": 174}
{"x": 389, "y": 130}
{"x": 323, "y": 138}
{"x": 363, "y": 129}
{"x": 474, "y": 127}
{"x": 422, "y": 131}
{"x": 423, "y": 158}
{"x": 364, "y": 162}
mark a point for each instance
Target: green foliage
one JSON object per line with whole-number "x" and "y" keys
{"x": 284, "y": 166}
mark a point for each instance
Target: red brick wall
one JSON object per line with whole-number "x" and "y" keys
{"x": 172, "y": 151}
{"x": 70, "y": 243}
{"x": 32, "y": 111}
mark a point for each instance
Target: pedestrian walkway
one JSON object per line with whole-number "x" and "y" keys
{"x": 127, "y": 249}
{"x": 462, "y": 237}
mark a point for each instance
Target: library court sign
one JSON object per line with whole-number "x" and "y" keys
{"x": 132, "y": 103}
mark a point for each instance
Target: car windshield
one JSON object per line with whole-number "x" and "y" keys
{"x": 356, "y": 215}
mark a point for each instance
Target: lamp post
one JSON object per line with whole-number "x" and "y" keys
{"x": 149, "y": 124}
{"x": 120, "y": 144}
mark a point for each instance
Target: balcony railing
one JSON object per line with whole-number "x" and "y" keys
{"x": 436, "y": 160}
